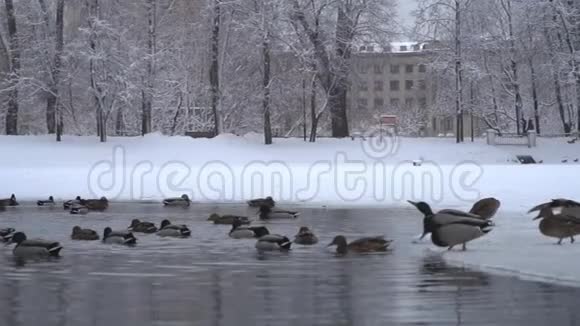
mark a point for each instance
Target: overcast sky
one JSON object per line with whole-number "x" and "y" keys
{"x": 405, "y": 9}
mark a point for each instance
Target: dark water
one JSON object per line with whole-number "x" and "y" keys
{"x": 210, "y": 279}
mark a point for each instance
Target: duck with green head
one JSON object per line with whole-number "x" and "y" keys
{"x": 240, "y": 231}
{"x": 9, "y": 201}
{"x": 273, "y": 242}
{"x": 227, "y": 219}
{"x": 79, "y": 233}
{"x": 34, "y": 248}
{"x": 142, "y": 227}
{"x": 362, "y": 245}
{"x": 118, "y": 237}
{"x": 173, "y": 230}
{"x": 268, "y": 201}
{"x": 69, "y": 203}
{"x": 449, "y": 229}
{"x": 182, "y": 201}
{"x": 6, "y": 234}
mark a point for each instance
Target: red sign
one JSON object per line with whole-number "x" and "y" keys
{"x": 387, "y": 119}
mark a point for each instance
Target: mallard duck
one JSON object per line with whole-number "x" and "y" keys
{"x": 100, "y": 204}
{"x": 448, "y": 211}
{"x": 485, "y": 208}
{"x": 271, "y": 242}
{"x": 118, "y": 237}
{"x": 558, "y": 203}
{"x": 449, "y": 230}
{"x": 227, "y": 219}
{"x": 268, "y": 201}
{"x": 266, "y": 213}
{"x": 173, "y": 230}
{"x": 305, "y": 237}
{"x": 368, "y": 244}
{"x": 79, "y": 209}
{"x": 177, "y": 201}
{"x": 9, "y": 201}
{"x": 69, "y": 203}
{"x": 559, "y": 222}
{"x": 49, "y": 202}
{"x": 84, "y": 234}
{"x": 142, "y": 227}
{"x": 34, "y": 248}
{"x": 239, "y": 231}
{"x": 6, "y": 234}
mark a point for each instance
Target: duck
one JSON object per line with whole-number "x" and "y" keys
{"x": 485, "y": 208}
{"x": 177, "y": 201}
{"x": 142, "y": 227}
{"x": 362, "y": 245}
{"x": 449, "y": 230}
{"x": 558, "y": 203}
{"x": 6, "y": 234}
{"x": 239, "y": 231}
{"x": 559, "y": 223}
{"x": 9, "y": 201}
{"x": 266, "y": 213}
{"x": 84, "y": 234}
{"x": 173, "y": 230}
{"x": 34, "y": 248}
{"x": 273, "y": 242}
{"x": 49, "y": 202}
{"x": 118, "y": 237}
{"x": 78, "y": 209}
{"x": 69, "y": 203}
{"x": 100, "y": 204}
{"x": 268, "y": 201}
{"x": 305, "y": 236}
{"x": 227, "y": 219}
{"x": 454, "y": 212}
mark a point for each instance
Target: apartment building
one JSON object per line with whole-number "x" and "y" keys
{"x": 396, "y": 80}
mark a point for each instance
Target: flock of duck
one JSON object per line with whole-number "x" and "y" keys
{"x": 560, "y": 218}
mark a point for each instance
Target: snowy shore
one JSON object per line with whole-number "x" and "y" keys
{"x": 330, "y": 172}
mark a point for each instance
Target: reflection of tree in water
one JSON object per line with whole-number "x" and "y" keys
{"x": 442, "y": 277}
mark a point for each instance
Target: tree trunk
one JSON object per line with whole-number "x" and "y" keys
{"x": 266, "y": 85}
{"x": 120, "y": 122}
{"x": 458, "y": 90}
{"x": 12, "y": 112}
{"x": 51, "y": 98}
{"x": 513, "y": 65}
{"x": 556, "y": 81}
{"x": 214, "y": 68}
{"x": 57, "y": 66}
{"x": 313, "y": 115}
{"x": 151, "y": 49}
{"x": 337, "y": 94}
{"x": 535, "y": 95}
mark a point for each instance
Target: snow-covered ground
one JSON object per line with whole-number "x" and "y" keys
{"x": 329, "y": 172}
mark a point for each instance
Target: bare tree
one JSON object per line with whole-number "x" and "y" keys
{"x": 14, "y": 78}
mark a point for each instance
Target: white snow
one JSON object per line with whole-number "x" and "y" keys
{"x": 332, "y": 172}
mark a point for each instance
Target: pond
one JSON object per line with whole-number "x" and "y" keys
{"x": 210, "y": 279}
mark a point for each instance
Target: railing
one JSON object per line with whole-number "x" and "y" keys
{"x": 528, "y": 139}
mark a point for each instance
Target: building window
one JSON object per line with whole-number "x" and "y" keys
{"x": 448, "y": 124}
{"x": 422, "y": 84}
{"x": 363, "y": 68}
{"x": 409, "y": 102}
{"x": 378, "y": 69}
{"x": 362, "y": 103}
{"x": 408, "y": 84}
{"x": 379, "y": 102}
{"x": 395, "y": 102}
{"x": 422, "y": 102}
{"x": 395, "y": 69}
{"x": 378, "y": 85}
{"x": 409, "y": 69}
{"x": 422, "y": 68}
{"x": 394, "y": 85}
{"x": 363, "y": 86}
{"x": 403, "y": 48}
